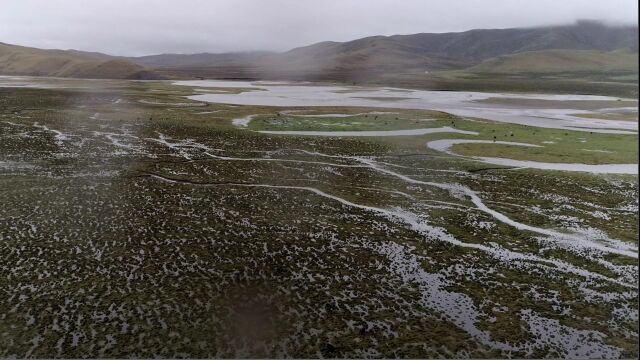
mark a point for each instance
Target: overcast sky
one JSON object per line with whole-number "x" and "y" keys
{"x": 141, "y": 27}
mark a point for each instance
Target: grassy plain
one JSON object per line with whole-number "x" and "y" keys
{"x": 556, "y": 145}
{"x": 136, "y": 222}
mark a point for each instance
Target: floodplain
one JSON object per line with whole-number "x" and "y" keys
{"x": 160, "y": 219}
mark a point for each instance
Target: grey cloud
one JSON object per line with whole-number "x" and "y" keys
{"x": 140, "y": 27}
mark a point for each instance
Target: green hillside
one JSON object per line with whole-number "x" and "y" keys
{"x": 560, "y": 61}
{"x": 20, "y": 60}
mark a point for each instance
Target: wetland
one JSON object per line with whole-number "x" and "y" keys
{"x": 252, "y": 219}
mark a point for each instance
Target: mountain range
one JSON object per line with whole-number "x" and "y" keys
{"x": 583, "y": 46}
{"x": 20, "y": 60}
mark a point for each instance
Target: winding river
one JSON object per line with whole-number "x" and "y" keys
{"x": 461, "y": 103}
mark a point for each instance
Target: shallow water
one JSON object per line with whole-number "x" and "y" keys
{"x": 595, "y": 169}
{"x": 461, "y": 103}
{"x": 446, "y": 144}
{"x": 408, "y": 132}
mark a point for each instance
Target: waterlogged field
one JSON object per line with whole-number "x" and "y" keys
{"x": 135, "y": 222}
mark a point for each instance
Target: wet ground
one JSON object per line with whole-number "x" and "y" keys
{"x": 543, "y": 110}
{"x": 138, "y": 223}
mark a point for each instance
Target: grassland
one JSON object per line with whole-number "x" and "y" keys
{"x": 556, "y": 145}
{"x": 633, "y": 116}
{"x": 612, "y": 73}
{"x": 359, "y": 119}
{"x": 616, "y": 83}
{"x": 148, "y": 228}
{"x": 560, "y": 62}
{"x": 561, "y": 104}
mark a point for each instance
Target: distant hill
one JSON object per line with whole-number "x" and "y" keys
{"x": 362, "y": 56}
{"x": 195, "y": 60}
{"x": 429, "y": 52}
{"x": 20, "y": 60}
{"x": 381, "y": 55}
{"x": 584, "y": 46}
{"x": 560, "y": 61}
{"x": 477, "y": 45}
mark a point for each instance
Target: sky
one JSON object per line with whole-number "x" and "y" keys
{"x": 143, "y": 27}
